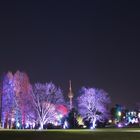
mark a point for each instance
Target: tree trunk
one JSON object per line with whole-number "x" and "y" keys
{"x": 41, "y": 125}
{"x": 93, "y": 123}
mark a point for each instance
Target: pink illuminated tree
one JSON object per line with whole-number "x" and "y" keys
{"x": 93, "y": 105}
{"x": 22, "y": 90}
{"x": 45, "y": 98}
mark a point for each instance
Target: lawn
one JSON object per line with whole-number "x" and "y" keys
{"x": 98, "y": 134}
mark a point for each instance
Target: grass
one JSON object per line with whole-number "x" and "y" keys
{"x": 98, "y": 134}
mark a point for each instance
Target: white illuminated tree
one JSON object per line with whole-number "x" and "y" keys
{"x": 45, "y": 97}
{"x": 93, "y": 104}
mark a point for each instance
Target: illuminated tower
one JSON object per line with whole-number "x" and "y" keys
{"x": 70, "y": 95}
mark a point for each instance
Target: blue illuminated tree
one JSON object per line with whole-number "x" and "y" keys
{"x": 93, "y": 105}
{"x": 8, "y": 103}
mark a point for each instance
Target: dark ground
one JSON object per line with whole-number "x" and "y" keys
{"x": 99, "y": 134}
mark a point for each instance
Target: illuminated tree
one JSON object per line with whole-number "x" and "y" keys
{"x": 15, "y": 97}
{"x": 8, "y": 103}
{"x": 92, "y": 104}
{"x": 117, "y": 113}
{"x": 45, "y": 98}
{"x": 22, "y": 89}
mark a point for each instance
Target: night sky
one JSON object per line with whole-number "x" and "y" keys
{"x": 94, "y": 43}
